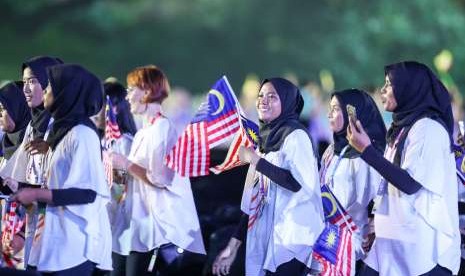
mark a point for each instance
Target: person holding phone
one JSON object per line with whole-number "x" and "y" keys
{"x": 416, "y": 215}
{"x": 352, "y": 180}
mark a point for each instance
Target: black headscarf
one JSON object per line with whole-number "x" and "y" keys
{"x": 40, "y": 116}
{"x": 13, "y": 100}
{"x": 419, "y": 94}
{"x": 367, "y": 113}
{"x": 78, "y": 94}
{"x": 124, "y": 118}
{"x": 273, "y": 134}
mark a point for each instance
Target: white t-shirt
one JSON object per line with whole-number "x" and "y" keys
{"x": 289, "y": 223}
{"x": 160, "y": 214}
{"x": 354, "y": 185}
{"x": 416, "y": 232}
{"x": 73, "y": 234}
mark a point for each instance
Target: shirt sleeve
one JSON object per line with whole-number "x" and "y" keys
{"x": 241, "y": 230}
{"x": 397, "y": 176}
{"x": 280, "y": 176}
{"x": 72, "y": 196}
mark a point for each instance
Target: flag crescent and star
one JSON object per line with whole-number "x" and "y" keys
{"x": 220, "y": 99}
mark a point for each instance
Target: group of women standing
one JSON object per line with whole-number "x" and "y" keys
{"x": 75, "y": 222}
{"x": 412, "y": 187}
{"x": 53, "y": 164}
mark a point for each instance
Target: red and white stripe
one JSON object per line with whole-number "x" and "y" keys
{"x": 191, "y": 154}
{"x": 40, "y": 226}
{"x": 11, "y": 225}
{"x": 345, "y": 264}
{"x": 344, "y": 220}
{"x": 232, "y": 158}
{"x": 108, "y": 166}
{"x": 221, "y": 129}
{"x": 112, "y": 131}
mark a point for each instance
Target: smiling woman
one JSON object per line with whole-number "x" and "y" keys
{"x": 284, "y": 216}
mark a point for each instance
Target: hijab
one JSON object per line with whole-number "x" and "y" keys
{"x": 14, "y": 101}
{"x": 77, "y": 94}
{"x": 40, "y": 116}
{"x": 367, "y": 113}
{"x": 419, "y": 94}
{"x": 273, "y": 134}
{"x": 117, "y": 94}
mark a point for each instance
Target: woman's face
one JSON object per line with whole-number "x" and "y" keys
{"x": 6, "y": 123}
{"x": 48, "y": 97}
{"x": 387, "y": 96}
{"x": 268, "y": 103}
{"x": 32, "y": 89}
{"x": 99, "y": 119}
{"x": 335, "y": 115}
{"x": 134, "y": 97}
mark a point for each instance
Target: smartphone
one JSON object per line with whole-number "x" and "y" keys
{"x": 352, "y": 113}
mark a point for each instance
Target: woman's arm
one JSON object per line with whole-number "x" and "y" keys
{"x": 139, "y": 172}
{"x": 280, "y": 176}
{"x": 398, "y": 177}
{"x": 56, "y": 197}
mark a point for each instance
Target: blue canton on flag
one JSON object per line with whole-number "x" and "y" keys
{"x": 333, "y": 210}
{"x": 333, "y": 248}
{"x": 214, "y": 123}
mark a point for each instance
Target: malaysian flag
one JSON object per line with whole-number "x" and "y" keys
{"x": 112, "y": 133}
{"x": 12, "y": 223}
{"x": 215, "y": 122}
{"x": 459, "y": 163}
{"x": 247, "y": 137}
{"x": 333, "y": 210}
{"x": 333, "y": 248}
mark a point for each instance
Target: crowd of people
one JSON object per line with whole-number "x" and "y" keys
{"x": 61, "y": 216}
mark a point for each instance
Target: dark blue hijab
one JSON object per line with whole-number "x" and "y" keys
{"x": 13, "y": 100}
{"x": 367, "y": 113}
{"x": 124, "y": 118}
{"x": 78, "y": 94}
{"x": 419, "y": 94}
{"x": 40, "y": 116}
{"x": 273, "y": 134}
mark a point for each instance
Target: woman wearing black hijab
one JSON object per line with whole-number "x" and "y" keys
{"x": 416, "y": 217}
{"x": 76, "y": 235}
{"x": 284, "y": 209}
{"x": 14, "y": 117}
{"x": 29, "y": 166}
{"x": 352, "y": 180}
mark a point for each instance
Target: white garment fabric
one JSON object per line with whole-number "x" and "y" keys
{"x": 74, "y": 234}
{"x": 354, "y": 185}
{"x": 27, "y": 168}
{"x": 119, "y": 217}
{"x": 461, "y": 188}
{"x": 289, "y": 223}
{"x": 416, "y": 232}
{"x": 165, "y": 211}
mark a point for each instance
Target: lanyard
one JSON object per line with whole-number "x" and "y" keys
{"x": 153, "y": 119}
{"x": 325, "y": 168}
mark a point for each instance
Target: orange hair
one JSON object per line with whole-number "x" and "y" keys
{"x": 151, "y": 79}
